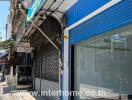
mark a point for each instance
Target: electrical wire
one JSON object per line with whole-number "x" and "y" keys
{"x": 58, "y": 7}
{"x": 51, "y": 5}
{"x": 55, "y": 9}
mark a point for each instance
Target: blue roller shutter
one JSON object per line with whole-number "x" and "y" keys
{"x": 117, "y": 16}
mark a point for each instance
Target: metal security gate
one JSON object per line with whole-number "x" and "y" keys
{"x": 50, "y": 64}
{"x": 47, "y": 70}
{"x": 46, "y": 62}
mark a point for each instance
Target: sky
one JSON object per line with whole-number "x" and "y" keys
{"x": 4, "y": 12}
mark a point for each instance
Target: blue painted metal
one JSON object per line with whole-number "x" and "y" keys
{"x": 34, "y": 8}
{"x": 117, "y": 16}
{"x": 83, "y": 8}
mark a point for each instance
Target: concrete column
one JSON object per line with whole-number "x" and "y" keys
{"x": 11, "y": 70}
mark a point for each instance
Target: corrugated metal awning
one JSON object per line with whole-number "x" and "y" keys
{"x": 49, "y": 5}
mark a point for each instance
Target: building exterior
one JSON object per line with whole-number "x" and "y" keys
{"x": 8, "y": 28}
{"x": 75, "y": 45}
{"x": 42, "y": 26}
{"x": 97, "y": 53}
{"x": 48, "y": 55}
{"x": 20, "y": 51}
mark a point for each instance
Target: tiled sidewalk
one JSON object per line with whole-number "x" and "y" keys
{"x": 7, "y": 94}
{"x": 17, "y": 96}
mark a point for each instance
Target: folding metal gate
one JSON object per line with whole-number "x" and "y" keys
{"x": 47, "y": 57}
{"x": 47, "y": 70}
{"x": 47, "y": 60}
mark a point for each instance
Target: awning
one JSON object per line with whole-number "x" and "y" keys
{"x": 6, "y": 44}
{"x": 49, "y": 5}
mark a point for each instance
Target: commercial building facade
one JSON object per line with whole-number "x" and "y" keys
{"x": 41, "y": 24}
{"x": 77, "y": 45}
{"x": 97, "y": 53}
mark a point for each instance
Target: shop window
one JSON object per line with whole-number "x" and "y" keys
{"x": 103, "y": 65}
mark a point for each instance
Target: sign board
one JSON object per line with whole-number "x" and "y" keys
{"x": 117, "y": 38}
{"x": 34, "y": 8}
